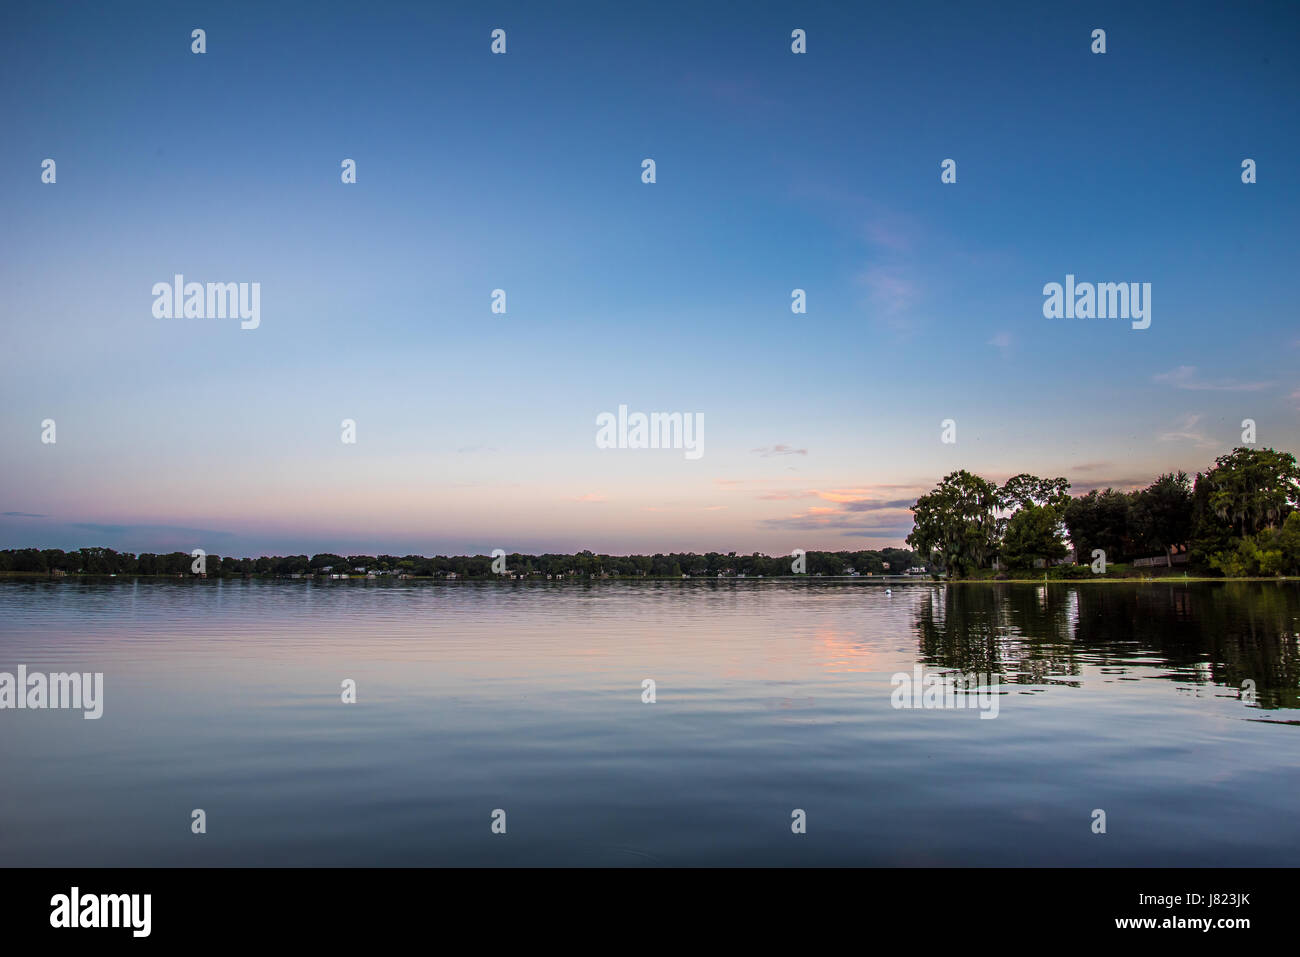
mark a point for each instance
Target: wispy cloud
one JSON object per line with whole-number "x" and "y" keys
{"x": 1188, "y": 377}
{"x": 888, "y": 506}
{"x": 22, "y": 515}
{"x": 591, "y": 497}
{"x": 1187, "y": 431}
{"x": 891, "y": 294}
{"x": 768, "y": 451}
{"x": 842, "y": 523}
{"x": 858, "y": 511}
{"x": 889, "y": 232}
{"x": 146, "y": 537}
{"x": 1121, "y": 483}
{"x": 132, "y": 529}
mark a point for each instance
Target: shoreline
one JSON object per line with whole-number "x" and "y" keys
{"x": 536, "y": 580}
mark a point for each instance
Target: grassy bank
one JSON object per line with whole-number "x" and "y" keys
{"x": 1118, "y": 572}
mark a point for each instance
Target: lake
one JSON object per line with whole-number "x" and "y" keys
{"x": 769, "y": 697}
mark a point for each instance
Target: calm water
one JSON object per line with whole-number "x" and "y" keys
{"x": 226, "y": 696}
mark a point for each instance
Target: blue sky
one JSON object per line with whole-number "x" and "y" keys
{"x": 774, "y": 171}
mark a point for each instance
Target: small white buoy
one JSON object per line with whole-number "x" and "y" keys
{"x": 889, "y": 591}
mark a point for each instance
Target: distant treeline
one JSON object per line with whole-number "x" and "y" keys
{"x": 586, "y": 564}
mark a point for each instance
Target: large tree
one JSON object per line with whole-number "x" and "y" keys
{"x": 1100, "y": 520}
{"x": 1034, "y": 527}
{"x": 1162, "y": 513}
{"x": 1253, "y": 489}
{"x": 957, "y": 522}
{"x": 1025, "y": 489}
{"x": 1034, "y": 532}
